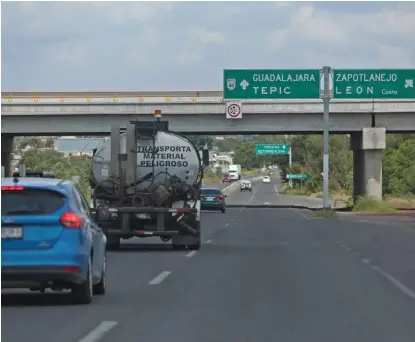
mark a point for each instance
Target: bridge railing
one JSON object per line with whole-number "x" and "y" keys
{"x": 167, "y": 94}
{"x": 155, "y": 96}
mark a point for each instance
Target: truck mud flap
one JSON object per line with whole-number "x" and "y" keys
{"x": 188, "y": 228}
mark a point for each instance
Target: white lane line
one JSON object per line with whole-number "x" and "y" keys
{"x": 252, "y": 197}
{"x": 395, "y": 282}
{"x": 98, "y": 333}
{"x": 159, "y": 279}
{"x": 227, "y": 224}
{"x": 276, "y": 190}
{"x": 209, "y": 241}
{"x": 300, "y": 213}
{"x": 190, "y": 254}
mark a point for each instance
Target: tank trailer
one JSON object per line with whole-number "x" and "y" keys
{"x": 146, "y": 182}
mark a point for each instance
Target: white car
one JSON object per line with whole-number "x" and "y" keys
{"x": 246, "y": 185}
{"x": 266, "y": 179}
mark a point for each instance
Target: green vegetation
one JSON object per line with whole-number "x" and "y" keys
{"x": 368, "y": 205}
{"x": 63, "y": 167}
{"x": 325, "y": 213}
{"x": 307, "y": 157}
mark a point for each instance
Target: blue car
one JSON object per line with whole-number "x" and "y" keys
{"x": 212, "y": 199}
{"x": 49, "y": 239}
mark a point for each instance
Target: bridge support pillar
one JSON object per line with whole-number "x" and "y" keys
{"x": 367, "y": 147}
{"x": 6, "y": 154}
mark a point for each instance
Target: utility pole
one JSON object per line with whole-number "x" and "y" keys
{"x": 326, "y": 128}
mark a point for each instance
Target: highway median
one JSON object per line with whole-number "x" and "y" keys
{"x": 391, "y": 206}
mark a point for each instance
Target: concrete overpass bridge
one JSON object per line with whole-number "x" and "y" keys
{"x": 203, "y": 112}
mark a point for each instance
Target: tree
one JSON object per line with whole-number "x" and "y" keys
{"x": 63, "y": 167}
{"x": 201, "y": 140}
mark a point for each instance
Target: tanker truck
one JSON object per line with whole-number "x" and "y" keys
{"x": 146, "y": 182}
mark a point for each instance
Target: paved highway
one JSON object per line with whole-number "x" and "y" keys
{"x": 261, "y": 275}
{"x": 264, "y": 194}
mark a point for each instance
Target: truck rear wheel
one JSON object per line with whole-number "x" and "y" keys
{"x": 198, "y": 243}
{"x": 196, "y": 246}
{"x": 177, "y": 246}
{"x": 113, "y": 242}
{"x": 193, "y": 246}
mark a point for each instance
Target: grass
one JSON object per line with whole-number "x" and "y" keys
{"x": 334, "y": 195}
{"x": 295, "y": 191}
{"x": 326, "y": 213}
{"x": 370, "y": 205}
{"x": 248, "y": 173}
{"x": 407, "y": 202}
{"x": 389, "y": 203}
{"x": 211, "y": 180}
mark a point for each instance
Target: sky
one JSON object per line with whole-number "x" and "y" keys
{"x": 63, "y": 46}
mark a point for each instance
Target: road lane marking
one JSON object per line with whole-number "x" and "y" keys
{"x": 300, "y": 213}
{"x": 98, "y": 333}
{"x": 252, "y": 197}
{"x": 394, "y": 282}
{"x": 208, "y": 241}
{"x": 190, "y": 254}
{"x": 382, "y": 223}
{"x": 159, "y": 279}
{"x": 276, "y": 190}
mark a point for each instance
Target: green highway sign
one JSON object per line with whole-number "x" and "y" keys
{"x": 301, "y": 176}
{"x": 271, "y": 84}
{"x": 271, "y": 149}
{"x": 374, "y": 84}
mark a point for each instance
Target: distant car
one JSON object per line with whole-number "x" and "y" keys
{"x": 270, "y": 173}
{"x": 246, "y": 185}
{"x": 49, "y": 239}
{"x": 266, "y": 179}
{"x": 212, "y": 199}
{"x": 226, "y": 179}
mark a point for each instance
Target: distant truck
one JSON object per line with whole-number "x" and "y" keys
{"x": 235, "y": 172}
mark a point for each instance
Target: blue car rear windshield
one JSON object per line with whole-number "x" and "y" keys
{"x": 31, "y": 202}
{"x": 210, "y": 192}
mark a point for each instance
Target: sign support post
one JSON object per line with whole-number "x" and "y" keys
{"x": 290, "y": 157}
{"x": 326, "y": 128}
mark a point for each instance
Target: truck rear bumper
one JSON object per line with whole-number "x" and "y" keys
{"x": 141, "y": 233}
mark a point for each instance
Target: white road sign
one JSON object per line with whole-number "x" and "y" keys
{"x": 233, "y": 110}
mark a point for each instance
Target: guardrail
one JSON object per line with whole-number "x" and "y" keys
{"x": 161, "y": 97}
{"x": 105, "y": 97}
{"x": 111, "y": 94}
